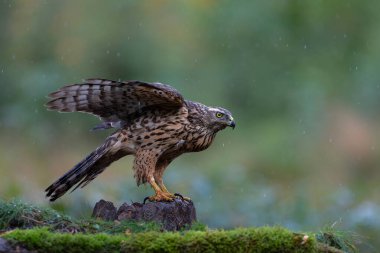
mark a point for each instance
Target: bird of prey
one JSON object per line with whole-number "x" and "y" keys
{"x": 153, "y": 122}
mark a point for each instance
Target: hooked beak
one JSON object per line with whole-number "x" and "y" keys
{"x": 232, "y": 124}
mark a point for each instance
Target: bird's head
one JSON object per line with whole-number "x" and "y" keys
{"x": 220, "y": 118}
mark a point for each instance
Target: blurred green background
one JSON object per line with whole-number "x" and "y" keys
{"x": 301, "y": 78}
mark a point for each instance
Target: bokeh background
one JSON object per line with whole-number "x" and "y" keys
{"x": 302, "y": 79}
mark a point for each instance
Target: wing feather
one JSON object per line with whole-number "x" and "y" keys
{"x": 111, "y": 100}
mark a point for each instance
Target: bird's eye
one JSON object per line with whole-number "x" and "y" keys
{"x": 219, "y": 114}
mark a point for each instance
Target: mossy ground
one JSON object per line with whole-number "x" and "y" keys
{"x": 16, "y": 214}
{"x": 46, "y": 230}
{"x": 264, "y": 239}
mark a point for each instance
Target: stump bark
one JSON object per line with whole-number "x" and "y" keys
{"x": 172, "y": 216}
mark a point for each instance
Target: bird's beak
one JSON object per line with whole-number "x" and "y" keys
{"x": 232, "y": 124}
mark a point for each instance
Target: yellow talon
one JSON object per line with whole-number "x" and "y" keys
{"x": 161, "y": 196}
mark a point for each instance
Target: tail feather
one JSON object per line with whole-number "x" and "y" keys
{"x": 85, "y": 171}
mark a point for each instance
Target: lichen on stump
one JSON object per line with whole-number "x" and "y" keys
{"x": 174, "y": 215}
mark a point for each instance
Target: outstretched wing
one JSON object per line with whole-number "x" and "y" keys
{"x": 113, "y": 101}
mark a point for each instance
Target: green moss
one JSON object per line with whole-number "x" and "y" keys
{"x": 196, "y": 226}
{"x": 44, "y": 241}
{"x": 264, "y": 239}
{"x": 110, "y": 227}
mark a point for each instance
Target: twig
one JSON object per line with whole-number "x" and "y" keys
{"x": 34, "y": 220}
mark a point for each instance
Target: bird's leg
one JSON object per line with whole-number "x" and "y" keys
{"x": 159, "y": 195}
{"x": 160, "y": 183}
{"x": 163, "y": 187}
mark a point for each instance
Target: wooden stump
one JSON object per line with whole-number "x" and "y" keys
{"x": 173, "y": 215}
{"x": 104, "y": 210}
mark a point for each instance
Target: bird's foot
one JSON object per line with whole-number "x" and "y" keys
{"x": 176, "y": 195}
{"x": 160, "y": 197}
{"x": 182, "y": 197}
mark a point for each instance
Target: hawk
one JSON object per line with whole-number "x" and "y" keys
{"x": 153, "y": 122}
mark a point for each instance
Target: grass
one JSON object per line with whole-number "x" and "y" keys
{"x": 343, "y": 240}
{"x": 16, "y": 214}
{"x": 46, "y": 230}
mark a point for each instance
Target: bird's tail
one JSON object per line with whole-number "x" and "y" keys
{"x": 85, "y": 171}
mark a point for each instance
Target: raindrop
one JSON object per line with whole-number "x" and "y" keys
{"x": 305, "y": 46}
{"x": 330, "y": 140}
{"x": 118, "y": 54}
{"x": 108, "y": 51}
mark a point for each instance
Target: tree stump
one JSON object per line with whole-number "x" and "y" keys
{"x": 172, "y": 216}
{"x": 104, "y": 210}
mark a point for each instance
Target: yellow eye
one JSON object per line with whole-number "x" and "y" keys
{"x": 219, "y": 114}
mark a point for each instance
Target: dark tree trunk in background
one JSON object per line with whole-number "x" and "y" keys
{"x": 172, "y": 215}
